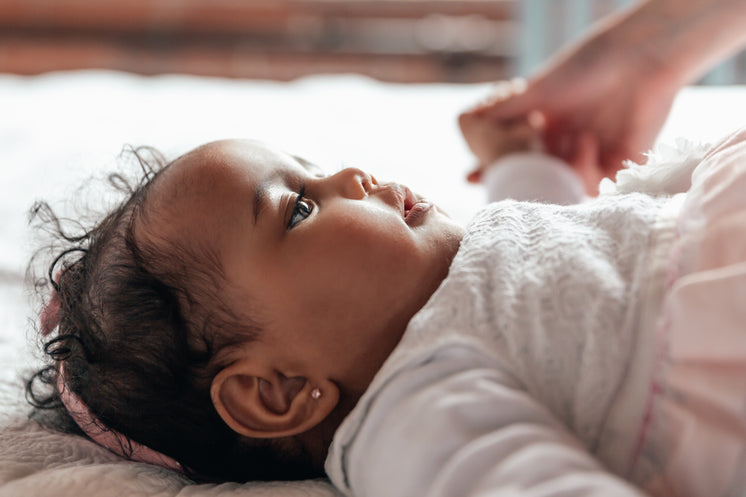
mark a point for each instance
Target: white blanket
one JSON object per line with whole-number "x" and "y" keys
{"x": 57, "y": 130}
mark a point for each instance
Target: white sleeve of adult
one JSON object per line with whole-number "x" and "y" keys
{"x": 469, "y": 434}
{"x": 533, "y": 176}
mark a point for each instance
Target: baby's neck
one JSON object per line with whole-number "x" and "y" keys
{"x": 318, "y": 440}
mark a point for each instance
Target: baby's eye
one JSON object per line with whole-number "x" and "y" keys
{"x": 301, "y": 211}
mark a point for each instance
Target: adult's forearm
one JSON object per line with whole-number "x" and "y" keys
{"x": 681, "y": 39}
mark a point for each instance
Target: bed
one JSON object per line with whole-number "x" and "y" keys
{"x": 60, "y": 129}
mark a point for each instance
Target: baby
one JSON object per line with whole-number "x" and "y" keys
{"x": 244, "y": 316}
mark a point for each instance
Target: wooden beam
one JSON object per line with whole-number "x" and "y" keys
{"x": 224, "y": 15}
{"x": 33, "y": 56}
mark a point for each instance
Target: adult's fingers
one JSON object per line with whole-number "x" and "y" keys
{"x": 475, "y": 175}
{"x": 505, "y": 101}
{"x": 585, "y": 161}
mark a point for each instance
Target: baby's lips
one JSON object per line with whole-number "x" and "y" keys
{"x": 409, "y": 199}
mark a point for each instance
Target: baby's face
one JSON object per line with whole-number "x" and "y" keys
{"x": 332, "y": 266}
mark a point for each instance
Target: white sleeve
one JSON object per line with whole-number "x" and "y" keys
{"x": 533, "y": 176}
{"x": 471, "y": 434}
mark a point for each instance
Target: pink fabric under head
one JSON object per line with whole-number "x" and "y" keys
{"x": 50, "y": 315}
{"x": 106, "y": 437}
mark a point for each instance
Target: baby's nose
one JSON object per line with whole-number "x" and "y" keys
{"x": 354, "y": 182}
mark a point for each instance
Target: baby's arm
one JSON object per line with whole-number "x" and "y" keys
{"x": 533, "y": 176}
{"x": 512, "y": 164}
{"x": 470, "y": 431}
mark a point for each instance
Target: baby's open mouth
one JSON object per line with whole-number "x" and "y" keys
{"x": 414, "y": 208}
{"x": 409, "y": 201}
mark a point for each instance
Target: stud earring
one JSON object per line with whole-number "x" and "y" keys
{"x": 315, "y": 394}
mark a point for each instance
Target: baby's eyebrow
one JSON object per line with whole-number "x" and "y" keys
{"x": 260, "y": 199}
{"x": 309, "y": 166}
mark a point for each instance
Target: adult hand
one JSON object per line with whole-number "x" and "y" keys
{"x": 593, "y": 91}
{"x": 617, "y": 84}
{"x": 489, "y": 141}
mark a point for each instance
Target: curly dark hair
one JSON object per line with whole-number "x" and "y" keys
{"x": 138, "y": 330}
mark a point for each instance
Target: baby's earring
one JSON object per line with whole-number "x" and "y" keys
{"x": 315, "y": 394}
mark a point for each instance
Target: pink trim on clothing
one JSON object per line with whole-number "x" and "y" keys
{"x": 661, "y": 346}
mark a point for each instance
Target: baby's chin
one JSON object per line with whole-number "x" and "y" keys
{"x": 443, "y": 212}
{"x": 448, "y": 231}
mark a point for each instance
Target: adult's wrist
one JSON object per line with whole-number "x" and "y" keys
{"x": 642, "y": 41}
{"x": 677, "y": 41}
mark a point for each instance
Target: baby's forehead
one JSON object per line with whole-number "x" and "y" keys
{"x": 205, "y": 196}
{"x": 205, "y": 190}
{"x": 216, "y": 156}
{"x": 227, "y": 166}
{"x": 239, "y": 157}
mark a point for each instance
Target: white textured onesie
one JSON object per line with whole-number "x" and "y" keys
{"x": 530, "y": 370}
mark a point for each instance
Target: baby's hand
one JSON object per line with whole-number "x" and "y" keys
{"x": 489, "y": 140}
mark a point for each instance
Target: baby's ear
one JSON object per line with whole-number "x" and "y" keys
{"x": 261, "y": 403}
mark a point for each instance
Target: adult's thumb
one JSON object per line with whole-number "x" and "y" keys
{"x": 516, "y": 107}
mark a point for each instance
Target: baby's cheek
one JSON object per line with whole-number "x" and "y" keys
{"x": 379, "y": 246}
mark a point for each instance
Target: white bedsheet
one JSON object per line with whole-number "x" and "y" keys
{"x": 57, "y": 130}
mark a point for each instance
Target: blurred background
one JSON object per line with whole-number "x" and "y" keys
{"x": 391, "y": 40}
